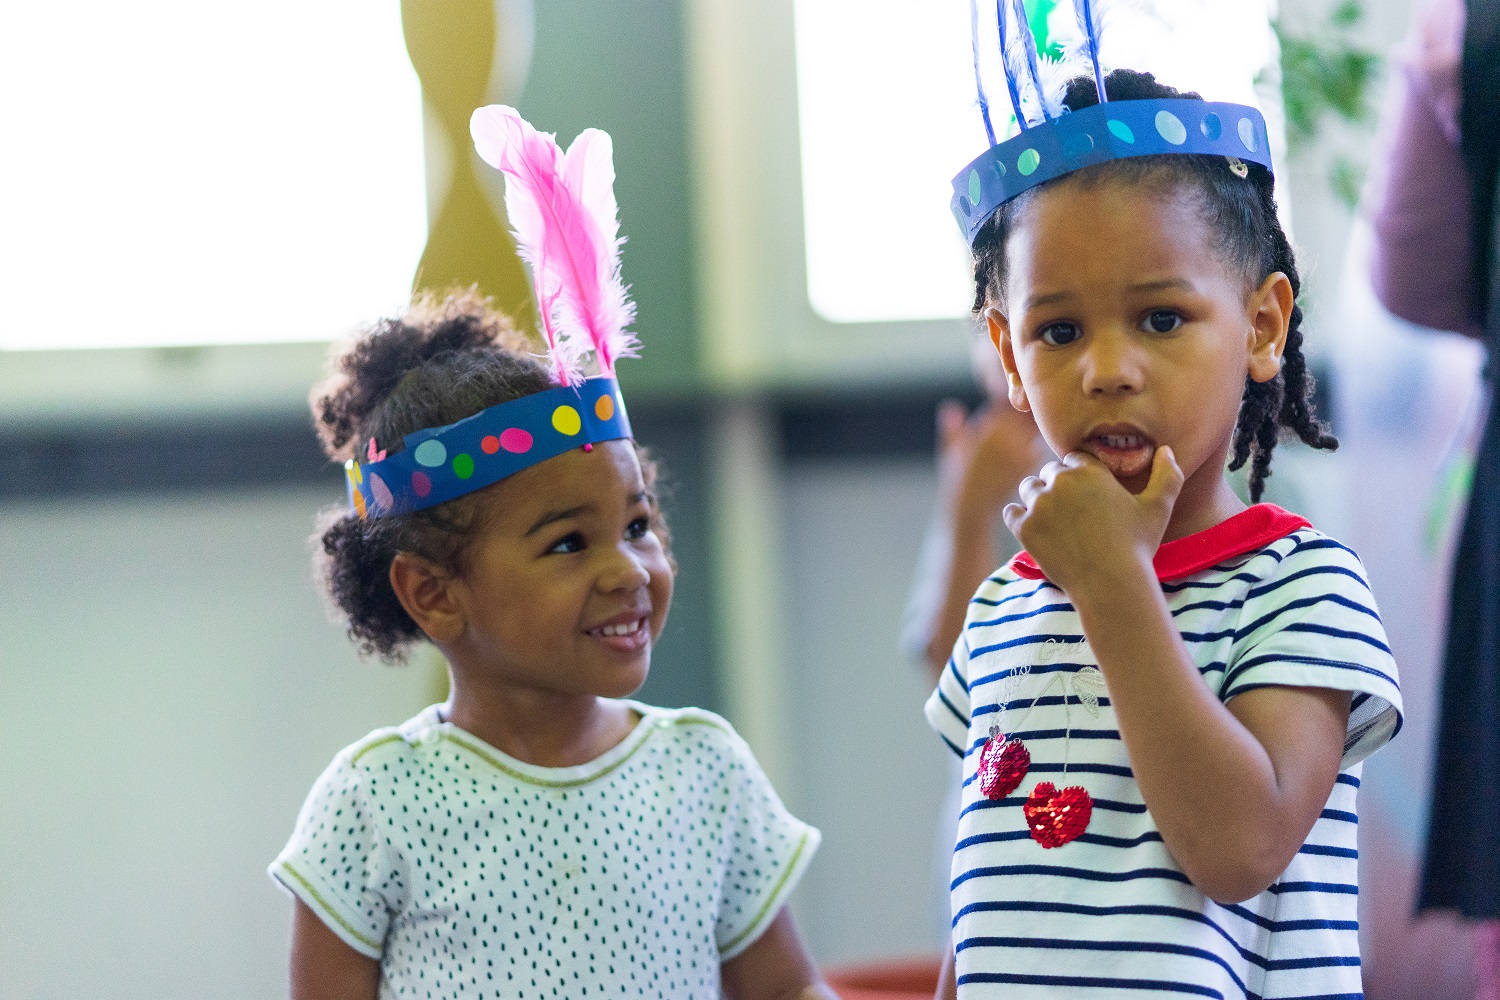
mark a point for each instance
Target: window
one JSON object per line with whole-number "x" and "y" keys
{"x": 192, "y": 173}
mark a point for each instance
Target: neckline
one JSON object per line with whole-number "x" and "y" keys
{"x": 1252, "y": 528}
{"x": 430, "y": 720}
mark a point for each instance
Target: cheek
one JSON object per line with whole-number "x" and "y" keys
{"x": 661, "y": 591}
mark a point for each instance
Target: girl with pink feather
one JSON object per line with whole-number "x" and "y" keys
{"x": 538, "y": 834}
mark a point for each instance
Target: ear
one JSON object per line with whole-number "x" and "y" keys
{"x": 999, "y": 328}
{"x": 1270, "y": 310}
{"x": 425, "y": 590}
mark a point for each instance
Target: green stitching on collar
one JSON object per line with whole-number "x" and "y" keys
{"x": 504, "y": 768}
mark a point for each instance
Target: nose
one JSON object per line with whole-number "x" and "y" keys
{"x": 626, "y": 569}
{"x": 1112, "y": 365}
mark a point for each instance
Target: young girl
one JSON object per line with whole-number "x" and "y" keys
{"x": 538, "y": 834}
{"x": 1162, "y": 703}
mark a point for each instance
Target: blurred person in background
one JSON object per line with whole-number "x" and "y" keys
{"x": 1436, "y": 262}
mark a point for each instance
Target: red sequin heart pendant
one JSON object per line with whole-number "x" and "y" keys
{"x": 1002, "y": 764}
{"x": 1057, "y": 817}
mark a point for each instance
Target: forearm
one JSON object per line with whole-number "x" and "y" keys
{"x": 1210, "y": 784}
{"x": 775, "y": 967}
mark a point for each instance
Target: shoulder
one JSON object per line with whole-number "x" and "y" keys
{"x": 698, "y": 735}
{"x": 1005, "y": 587}
{"x": 381, "y": 747}
{"x": 1307, "y": 559}
{"x": 697, "y": 725}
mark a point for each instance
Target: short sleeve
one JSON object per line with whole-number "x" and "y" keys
{"x": 948, "y": 709}
{"x": 769, "y": 850}
{"x": 1313, "y": 623}
{"x": 334, "y": 861}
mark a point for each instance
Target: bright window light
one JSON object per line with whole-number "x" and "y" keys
{"x": 179, "y": 172}
{"x": 888, "y": 116}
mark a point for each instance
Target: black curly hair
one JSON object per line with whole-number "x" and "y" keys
{"x": 1242, "y": 212}
{"x": 449, "y": 357}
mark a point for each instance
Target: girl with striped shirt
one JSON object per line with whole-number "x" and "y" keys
{"x": 1163, "y": 702}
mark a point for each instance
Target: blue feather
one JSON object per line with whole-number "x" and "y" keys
{"x": 1028, "y": 47}
{"x": 1090, "y": 14}
{"x": 984, "y": 102}
{"x": 1011, "y": 62}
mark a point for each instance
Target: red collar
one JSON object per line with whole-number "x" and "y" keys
{"x": 1250, "y": 529}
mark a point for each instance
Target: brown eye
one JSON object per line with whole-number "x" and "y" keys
{"x": 1059, "y": 334}
{"x": 1163, "y": 321}
{"x": 567, "y": 544}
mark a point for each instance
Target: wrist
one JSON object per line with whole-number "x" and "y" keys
{"x": 1110, "y": 587}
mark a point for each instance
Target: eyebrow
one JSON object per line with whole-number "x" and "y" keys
{"x": 1166, "y": 284}
{"x": 571, "y": 512}
{"x": 557, "y": 515}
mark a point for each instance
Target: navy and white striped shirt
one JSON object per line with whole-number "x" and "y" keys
{"x": 1111, "y": 914}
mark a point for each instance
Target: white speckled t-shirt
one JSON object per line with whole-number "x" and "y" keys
{"x": 469, "y": 873}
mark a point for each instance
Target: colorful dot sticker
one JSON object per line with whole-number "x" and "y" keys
{"x": 352, "y": 470}
{"x": 1170, "y": 128}
{"x": 463, "y": 466}
{"x": 1120, "y": 130}
{"x": 382, "y": 493}
{"x": 1247, "y": 133}
{"x": 1212, "y": 127}
{"x": 421, "y": 484}
{"x": 431, "y": 454}
{"x": 515, "y": 441}
{"x": 359, "y": 503}
{"x": 999, "y": 169}
{"x": 1028, "y": 161}
{"x": 965, "y": 205}
{"x": 566, "y": 420}
{"x": 974, "y": 189}
{"x": 604, "y": 407}
{"x": 490, "y": 444}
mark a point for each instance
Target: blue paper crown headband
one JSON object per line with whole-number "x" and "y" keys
{"x": 566, "y": 226}
{"x": 1056, "y": 141}
{"x": 441, "y": 463}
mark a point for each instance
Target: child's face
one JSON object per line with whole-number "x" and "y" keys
{"x": 1124, "y": 329}
{"x": 566, "y": 585}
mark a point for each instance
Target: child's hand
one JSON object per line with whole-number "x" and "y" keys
{"x": 1083, "y": 528}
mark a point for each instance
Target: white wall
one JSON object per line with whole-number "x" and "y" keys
{"x": 170, "y": 686}
{"x": 868, "y": 770}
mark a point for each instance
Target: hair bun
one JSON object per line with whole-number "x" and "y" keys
{"x": 368, "y": 372}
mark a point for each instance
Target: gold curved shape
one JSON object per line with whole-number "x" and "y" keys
{"x": 453, "y": 45}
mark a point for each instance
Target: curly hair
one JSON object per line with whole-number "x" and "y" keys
{"x": 1241, "y": 212}
{"x": 449, "y": 357}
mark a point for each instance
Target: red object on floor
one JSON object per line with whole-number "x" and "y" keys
{"x": 907, "y": 979}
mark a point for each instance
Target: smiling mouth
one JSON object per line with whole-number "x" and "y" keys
{"x": 625, "y": 636}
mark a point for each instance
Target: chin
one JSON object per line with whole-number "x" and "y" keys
{"x": 626, "y": 682}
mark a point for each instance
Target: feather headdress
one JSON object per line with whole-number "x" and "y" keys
{"x": 1090, "y": 15}
{"x": 1056, "y": 140}
{"x": 566, "y": 223}
{"x": 984, "y": 101}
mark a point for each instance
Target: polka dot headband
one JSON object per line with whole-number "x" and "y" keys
{"x": 1055, "y": 141}
{"x": 441, "y": 463}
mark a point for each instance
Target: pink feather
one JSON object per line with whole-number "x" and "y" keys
{"x": 566, "y": 222}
